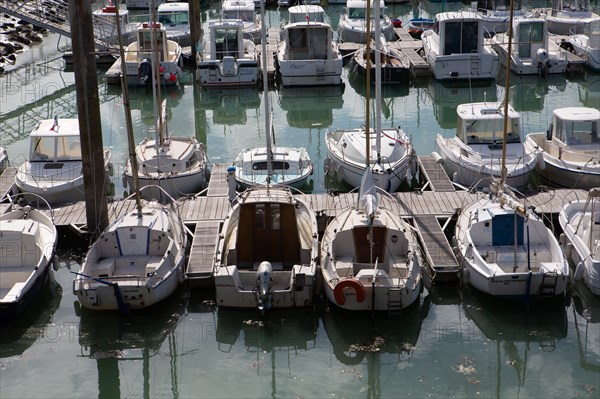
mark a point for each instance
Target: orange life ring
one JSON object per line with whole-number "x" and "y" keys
{"x": 338, "y": 291}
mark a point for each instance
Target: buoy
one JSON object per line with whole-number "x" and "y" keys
{"x": 338, "y": 291}
{"x": 438, "y": 158}
{"x": 579, "y": 271}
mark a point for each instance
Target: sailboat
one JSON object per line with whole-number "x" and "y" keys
{"x": 139, "y": 259}
{"x": 580, "y": 221}
{"x": 394, "y": 157}
{"x": 370, "y": 259}
{"x": 173, "y": 165}
{"x": 504, "y": 247}
{"x": 266, "y": 255}
{"x": 27, "y": 247}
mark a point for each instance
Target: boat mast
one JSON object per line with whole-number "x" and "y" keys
{"x": 506, "y": 93}
{"x": 156, "y": 89}
{"x": 368, "y": 87}
{"x": 128, "y": 123}
{"x": 378, "y": 52}
{"x": 265, "y": 78}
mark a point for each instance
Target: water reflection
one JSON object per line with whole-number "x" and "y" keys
{"x": 528, "y": 92}
{"x": 310, "y": 107}
{"x": 112, "y": 339}
{"x": 34, "y": 323}
{"x": 445, "y": 97}
{"x": 586, "y": 320}
{"x": 229, "y": 106}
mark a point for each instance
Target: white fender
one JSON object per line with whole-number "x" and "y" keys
{"x": 438, "y": 158}
{"x": 579, "y": 271}
{"x": 541, "y": 164}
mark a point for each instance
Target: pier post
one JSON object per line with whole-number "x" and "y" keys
{"x": 88, "y": 110}
{"x": 195, "y": 27}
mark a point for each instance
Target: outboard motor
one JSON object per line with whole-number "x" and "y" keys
{"x": 145, "y": 70}
{"x": 264, "y": 279}
{"x": 542, "y": 58}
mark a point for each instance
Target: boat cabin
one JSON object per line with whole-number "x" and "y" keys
{"x": 55, "y": 141}
{"x": 575, "y": 126}
{"x": 531, "y": 36}
{"x": 306, "y": 13}
{"x": 226, "y": 39}
{"x": 357, "y": 10}
{"x": 459, "y": 33}
{"x": 171, "y": 14}
{"x": 239, "y": 9}
{"x": 307, "y": 41}
{"x": 571, "y": 8}
{"x": 145, "y": 44}
{"x": 481, "y": 123}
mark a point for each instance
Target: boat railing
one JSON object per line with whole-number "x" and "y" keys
{"x": 62, "y": 174}
{"x": 14, "y": 201}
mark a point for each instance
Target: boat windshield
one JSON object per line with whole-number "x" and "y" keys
{"x": 62, "y": 148}
{"x": 578, "y": 132}
{"x": 244, "y": 15}
{"x": 489, "y": 131}
{"x": 173, "y": 18}
{"x": 361, "y": 13}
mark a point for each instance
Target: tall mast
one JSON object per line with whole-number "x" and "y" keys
{"x": 156, "y": 89}
{"x": 378, "y": 52}
{"x": 265, "y": 78}
{"x": 368, "y": 88}
{"x": 128, "y": 123}
{"x": 506, "y": 93}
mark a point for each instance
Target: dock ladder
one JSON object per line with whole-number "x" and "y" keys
{"x": 549, "y": 282}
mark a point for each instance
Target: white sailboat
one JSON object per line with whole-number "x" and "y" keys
{"x": 567, "y": 16}
{"x": 370, "y": 259}
{"x": 139, "y": 259}
{"x": 266, "y": 255}
{"x": 349, "y": 151}
{"x": 272, "y": 165}
{"x": 27, "y": 247}
{"x": 173, "y": 165}
{"x": 504, "y": 248}
{"x": 580, "y": 221}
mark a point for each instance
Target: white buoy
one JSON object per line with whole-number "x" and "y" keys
{"x": 579, "y": 271}
{"x": 231, "y": 183}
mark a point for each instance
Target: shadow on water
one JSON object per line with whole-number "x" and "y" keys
{"x": 586, "y": 323}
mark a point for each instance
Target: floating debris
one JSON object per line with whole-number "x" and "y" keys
{"x": 257, "y": 364}
{"x": 208, "y": 302}
{"x": 255, "y": 323}
{"x": 352, "y": 372}
{"x": 472, "y": 380}
{"x": 407, "y": 347}
{"x": 589, "y": 388}
{"x": 370, "y": 345}
{"x": 465, "y": 366}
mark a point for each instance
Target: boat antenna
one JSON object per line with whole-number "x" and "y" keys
{"x": 128, "y": 122}
{"x": 506, "y": 93}
{"x": 378, "y": 53}
{"x": 265, "y": 79}
{"x": 368, "y": 87}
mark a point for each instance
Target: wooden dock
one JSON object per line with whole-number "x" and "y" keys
{"x": 438, "y": 200}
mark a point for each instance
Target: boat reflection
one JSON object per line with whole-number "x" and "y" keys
{"x": 33, "y": 324}
{"x": 586, "y": 320}
{"x": 118, "y": 342}
{"x": 311, "y": 107}
{"x": 514, "y": 327}
{"x": 528, "y": 93}
{"x": 382, "y": 344}
{"x": 589, "y": 91}
{"x": 445, "y": 97}
{"x": 229, "y": 106}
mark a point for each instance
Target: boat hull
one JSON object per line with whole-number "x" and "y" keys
{"x": 10, "y": 310}
{"x": 211, "y": 74}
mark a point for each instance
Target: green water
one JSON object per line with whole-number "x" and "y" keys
{"x": 453, "y": 343}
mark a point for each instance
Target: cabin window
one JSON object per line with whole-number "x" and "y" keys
{"x": 173, "y": 18}
{"x": 275, "y": 165}
{"x": 298, "y": 38}
{"x": 489, "y": 131}
{"x": 226, "y": 42}
{"x": 145, "y": 42}
{"x": 578, "y": 132}
{"x": 318, "y": 43}
{"x": 461, "y": 37}
{"x": 530, "y": 34}
{"x": 357, "y": 13}
{"x": 259, "y": 216}
{"x": 244, "y": 15}
{"x": 42, "y": 148}
{"x": 275, "y": 217}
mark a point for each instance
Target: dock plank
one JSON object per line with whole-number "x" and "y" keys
{"x": 200, "y": 266}
{"x": 437, "y": 250}
{"x": 435, "y": 174}
{"x": 7, "y": 181}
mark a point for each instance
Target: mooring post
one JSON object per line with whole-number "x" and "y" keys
{"x": 88, "y": 110}
{"x": 195, "y": 28}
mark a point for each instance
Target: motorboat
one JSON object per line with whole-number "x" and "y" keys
{"x": 307, "y": 55}
{"x": 473, "y": 156}
{"x": 142, "y": 4}
{"x": 28, "y": 245}
{"x": 53, "y": 169}
{"x": 496, "y": 14}
{"x": 391, "y": 159}
{"x": 227, "y": 59}
{"x": 137, "y": 261}
{"x": 105, "y": 21}
{"x": 566, "y": 17}
{"x": 530, "y": 53}
{"x": 267, "y": 252}
{"x": 175, "y": 17}
{"x": 507, "y": 251}
{"x": 570, "y": 148}
{"x": 587, "y": 44}
{"x": 580, "y": 221}
{"x": 352, "y": 26}
{"x": 453, "y": 58}
{"x": 290, "y": 166}
{"x": 138, "y": 56}
{"x": 246, "y": 11}
{"x": 416, "y": 26}
{"x": 370, "y": 259}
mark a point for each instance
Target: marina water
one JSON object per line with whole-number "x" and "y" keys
{"x": 453, "y": 343}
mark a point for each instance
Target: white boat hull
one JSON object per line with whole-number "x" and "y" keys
{"x": 311, "y": 72}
